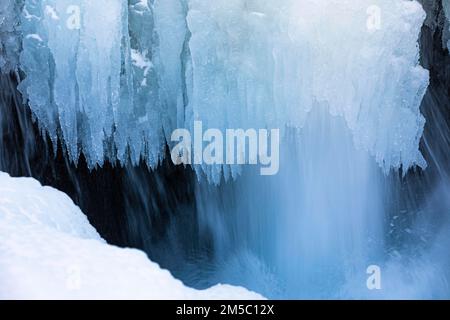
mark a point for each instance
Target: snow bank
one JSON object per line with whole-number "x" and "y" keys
{"x": 48, "y": 250}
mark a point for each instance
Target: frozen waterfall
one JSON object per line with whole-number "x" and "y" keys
{"x": 115, "y": 80}
{"x": 341, "y": 79}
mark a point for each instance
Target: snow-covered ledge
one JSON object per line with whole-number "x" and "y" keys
{"x": 48, "y": 250}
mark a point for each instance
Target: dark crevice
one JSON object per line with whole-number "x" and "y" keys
{"x": 155, "y": 210}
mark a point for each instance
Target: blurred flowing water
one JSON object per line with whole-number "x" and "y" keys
{"x": 309, "y": 232}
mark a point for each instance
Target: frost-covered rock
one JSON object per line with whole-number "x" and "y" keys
{"x": 130, "y": 74}
{"x": 48, "y": 250}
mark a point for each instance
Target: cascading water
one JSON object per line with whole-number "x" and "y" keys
{"x": 340, "y": 79}
{"x": 312, "y": 226}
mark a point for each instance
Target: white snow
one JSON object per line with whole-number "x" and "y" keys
{"x": 48, "y": 250}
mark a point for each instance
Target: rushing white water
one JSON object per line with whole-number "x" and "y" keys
{"x": 9, "y": 35}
